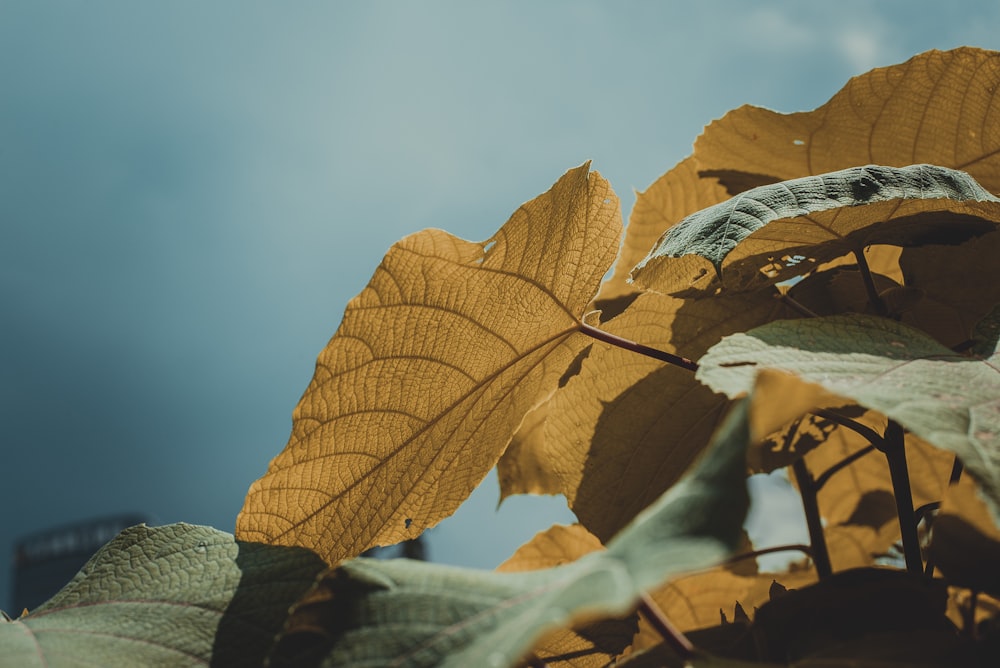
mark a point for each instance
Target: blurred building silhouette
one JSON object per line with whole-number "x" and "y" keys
{"x": 45, "y": 561}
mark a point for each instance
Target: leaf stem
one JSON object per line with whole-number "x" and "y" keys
{"x": 804, "y": 549}
{"x": 798, "y": 306}
{"x": 866, "y": 276}
{"x": 535, "y": 662}
{"x": 817, "y": 540}
{"x": 842, "y": 464}
{"x": 626, "y": 344}
{"x": 671, "y": 635}
{"x": 895, "y": 454}
{"x": 868, "y": 433}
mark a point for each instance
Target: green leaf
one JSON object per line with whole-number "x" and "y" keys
{"x": 174, "y": 595}
{"x": 947, "y": 399}
{"x": 774, "y": 232}
{"x": 407, "y": 613}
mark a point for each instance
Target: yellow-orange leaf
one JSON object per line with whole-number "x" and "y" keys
{"x": 431, "y": 371}
{"x": 696, "y": 601}
{"x": 555, "y": 546}
{"x": 675, "y": 195}
{"x": 625, "y": 428}
{"x": 594, "y": 644}
{"x": 938, "y": 107}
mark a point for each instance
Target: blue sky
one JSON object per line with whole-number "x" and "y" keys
{"x": 190, "y": 192}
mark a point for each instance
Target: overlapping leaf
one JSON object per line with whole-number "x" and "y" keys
{"x": 431, "y": 371}
{"x": 417, "y": 614}
{"x": 938, "y": 107}
{"x": 623, "y": 429}
{"x": 949, "y": 400}
{"x": 166, "y": 596}
{"x": 957, "y": 285}
{"x": 774, "y": 232}
{"x": 965, "y": 543}
{"x": 592, "y": 645}
{"x": 675, "y": 195}
{"x": 699, "y": 600}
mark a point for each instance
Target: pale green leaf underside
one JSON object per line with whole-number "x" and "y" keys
{"x": 407, "y": 613}
{"x": 177, "y": 595}
{"x": 773, "y": 232}
{"x": 949, "y": 400}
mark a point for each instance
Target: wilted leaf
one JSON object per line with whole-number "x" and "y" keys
{"x": 165, "y": 596}
{"x": 418, "y": 614}
{"x": 938, "y": 107}
{"x": 775, "y": 232}
{"x": 625, "y": 428}
{"x": 951, "y": 401}
{"x": 431, "y": 371}
{"x": 676, "y": 194}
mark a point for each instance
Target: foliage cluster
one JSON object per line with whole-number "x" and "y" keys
{"x": 821, "y": 296}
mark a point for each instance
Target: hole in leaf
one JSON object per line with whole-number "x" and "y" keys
{"x": 798, "y": 142}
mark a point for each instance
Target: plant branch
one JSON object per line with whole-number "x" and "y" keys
{"x": 671, "y": 635}
{"x": 804, "y": 549}
{"x": 895, "y": 454}
{"x": 535, "y": 662}
{"x": 866, "y": 276}
{"x": 797, "y": 306}
{"x": 868, "y": 433}
{"x": 956, "y": 472}
{"x": 817, "y": 540}
{"x": 626, "y": 344}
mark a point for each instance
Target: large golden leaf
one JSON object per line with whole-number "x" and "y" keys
{"x": 938, "y": 107}
{"x": 624, "y": 429}
{"x": 431, "y": 371}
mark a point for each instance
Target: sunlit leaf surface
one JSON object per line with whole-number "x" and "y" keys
{"x": 431, "y": 371}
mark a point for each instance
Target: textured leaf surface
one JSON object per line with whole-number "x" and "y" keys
{"x": 623, "y": 430}
{"x": 675, "y": 195}
{"x": 177, "y": 595}
{"x": 938, "y": 107}
{"x": 774, "y": 232}
{"x": 957, "y": 285}
{"x": 590, "y": 645}
{"x": 415, "y": 614}
{"x": 431, "y": 371}
{"x": 949, "y": 400}
{"x": 696, "y": 601}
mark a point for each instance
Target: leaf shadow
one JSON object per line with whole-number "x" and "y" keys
{"x": 272, "y": 579}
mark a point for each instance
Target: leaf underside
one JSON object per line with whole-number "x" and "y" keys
{"x": 430, "y": 373}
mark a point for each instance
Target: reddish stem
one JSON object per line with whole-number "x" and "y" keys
{"x": 626, "y": 344}
{"x": 671, "y": 635}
